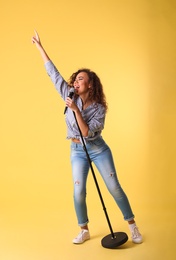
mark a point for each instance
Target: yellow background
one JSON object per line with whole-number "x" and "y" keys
{"x": 131, "y": 45}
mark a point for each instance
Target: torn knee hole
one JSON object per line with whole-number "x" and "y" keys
{"x": 77, "y": 182}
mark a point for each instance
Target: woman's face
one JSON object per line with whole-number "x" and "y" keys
{"x": 82, "y": 83}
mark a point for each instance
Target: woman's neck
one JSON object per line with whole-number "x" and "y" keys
{"x": 85, "y": 101}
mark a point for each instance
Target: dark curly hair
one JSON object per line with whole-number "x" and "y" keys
{"x": 96, "y": 93}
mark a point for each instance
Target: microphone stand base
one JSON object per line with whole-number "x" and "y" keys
{"x": 113, "y": 242}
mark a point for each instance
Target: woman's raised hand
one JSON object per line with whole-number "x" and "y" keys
{"x": 36, "y": 39}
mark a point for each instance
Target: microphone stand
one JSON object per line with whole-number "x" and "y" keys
{"x": 112, "y": 240}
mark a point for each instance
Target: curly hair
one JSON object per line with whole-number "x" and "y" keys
{"x": 96, "y": 94}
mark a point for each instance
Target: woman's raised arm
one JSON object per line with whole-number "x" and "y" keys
{"x": 37, "y": 42}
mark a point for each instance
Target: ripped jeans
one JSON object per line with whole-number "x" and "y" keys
{"x": 100, "y": 155}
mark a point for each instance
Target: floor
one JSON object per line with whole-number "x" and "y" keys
{"x": 45, "y": 233}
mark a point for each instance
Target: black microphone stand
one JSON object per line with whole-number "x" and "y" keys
{"x": 112, "y": 240}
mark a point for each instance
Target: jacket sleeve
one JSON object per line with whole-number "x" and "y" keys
{"x": 58, "y": 81}
{"x": 96, "y": 122}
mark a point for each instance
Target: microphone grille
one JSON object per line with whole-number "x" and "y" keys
{"x": 72, "y": 90}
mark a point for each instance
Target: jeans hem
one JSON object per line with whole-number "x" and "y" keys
{"x": 129, "y": 219}
{"x": 84, "y": 224}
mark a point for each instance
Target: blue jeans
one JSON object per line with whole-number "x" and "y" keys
{"x": 100, "y": 154}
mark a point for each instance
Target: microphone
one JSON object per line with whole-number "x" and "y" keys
{"x": 70, "y": 95}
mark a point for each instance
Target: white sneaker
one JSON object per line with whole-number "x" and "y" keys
{"x": 136, "y": 236}
{"x": 82, "y": 237}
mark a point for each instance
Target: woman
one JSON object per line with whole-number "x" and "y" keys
{"x": 89, "y": 107}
